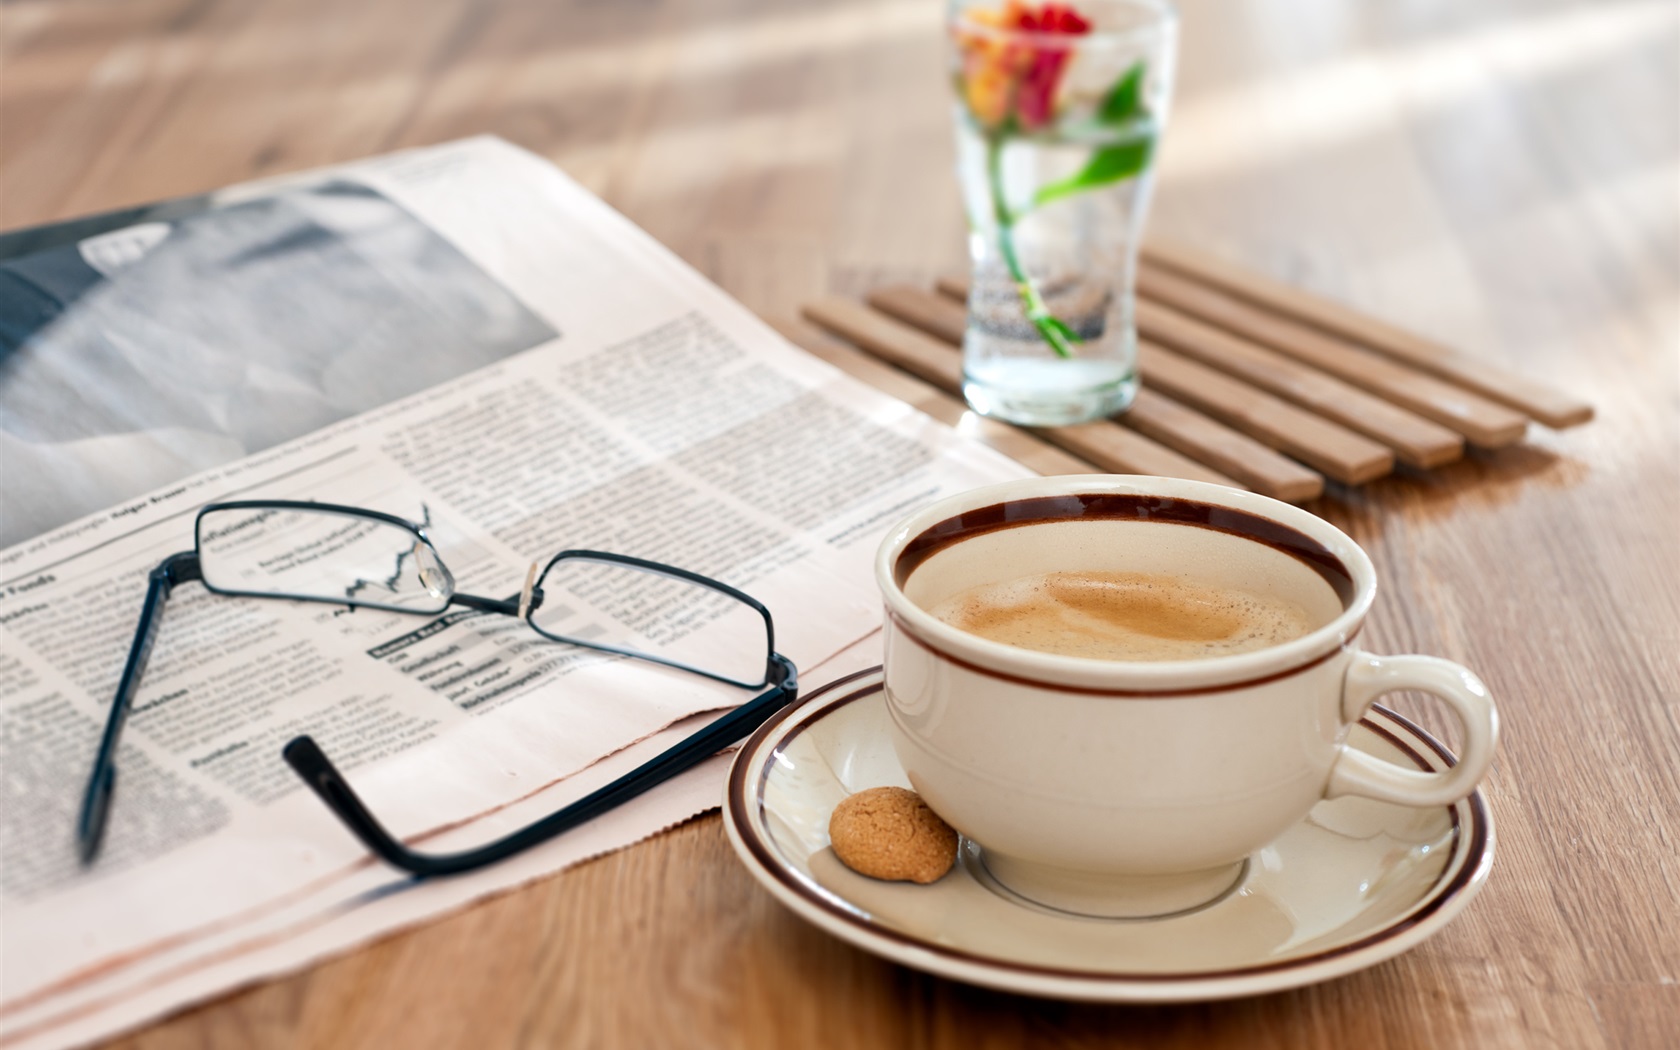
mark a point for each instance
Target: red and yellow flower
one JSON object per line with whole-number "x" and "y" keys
{"x": 1010, "y": 64}
{"x": 1013, "y": 61}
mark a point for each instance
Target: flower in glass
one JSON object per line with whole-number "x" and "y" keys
{"x": 1013, "y": 60}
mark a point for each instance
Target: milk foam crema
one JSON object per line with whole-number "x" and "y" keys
{"x": 1124, "y": 616}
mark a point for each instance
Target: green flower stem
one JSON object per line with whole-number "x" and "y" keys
{"x": 1055, "y": 332}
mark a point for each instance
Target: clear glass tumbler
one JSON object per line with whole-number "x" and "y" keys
{"x": 1059, "y": 110}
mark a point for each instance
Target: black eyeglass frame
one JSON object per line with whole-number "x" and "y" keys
{"x": 311, "y": 764}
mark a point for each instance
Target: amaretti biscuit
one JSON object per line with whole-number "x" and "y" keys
{"x": 890, "y": 833}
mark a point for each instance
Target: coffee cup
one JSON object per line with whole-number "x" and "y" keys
{"x": 1132, "y": 764}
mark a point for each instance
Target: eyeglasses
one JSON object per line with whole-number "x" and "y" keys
{"x": 349, "y": 556}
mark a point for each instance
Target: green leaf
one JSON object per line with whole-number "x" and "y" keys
{"x": 1066, "y": 338}
{"x": 1125, "y": 98}
{"x": 1123, "y": 110}
{"x": 1108, "y": 165}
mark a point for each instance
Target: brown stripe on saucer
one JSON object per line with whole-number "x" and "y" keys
{"x": 743, "y": 812}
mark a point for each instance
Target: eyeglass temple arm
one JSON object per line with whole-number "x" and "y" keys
{"x": 96, "y": 800}
{"x": 310, "y": 763}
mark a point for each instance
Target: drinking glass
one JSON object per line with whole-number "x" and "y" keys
{"x": 1059, "y": 110}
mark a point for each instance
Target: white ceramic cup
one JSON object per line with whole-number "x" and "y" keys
{"x": 1125, "y": 789}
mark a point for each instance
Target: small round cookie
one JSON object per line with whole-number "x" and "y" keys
{"x": 890, "y": 833}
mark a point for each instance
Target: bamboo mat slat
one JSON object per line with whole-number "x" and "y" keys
{"x": 1268, "y": 422}
{"x": 1019, "y": 445}
{"x": 1416, "y": 441}
{"x": 1156, "y": 414}
{"x": 1552, "y": 407}
{"x": 1122, "y": 451}
{"x": 1241, "y": 384}
{"x": 937, "y": 315}
{"x": 1103, "y": 444}
{"x": 916, "y": 353}
{"x": 1480, "y": 421}
{"x": 1318, "y": 442}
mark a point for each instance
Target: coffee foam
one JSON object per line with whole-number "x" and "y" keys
{"x": 1124, "y": 616}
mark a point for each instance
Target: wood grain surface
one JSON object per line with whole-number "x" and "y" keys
{"x": 1497, "y": 177}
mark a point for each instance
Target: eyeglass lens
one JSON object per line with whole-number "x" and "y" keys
{"x": 643, "y": 612}
{"x": 320, "y": 555}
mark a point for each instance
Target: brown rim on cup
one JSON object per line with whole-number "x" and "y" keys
{"x": 1308, "y": 539}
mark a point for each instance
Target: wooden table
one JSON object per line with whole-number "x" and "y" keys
{"x": 1499, "y": 175}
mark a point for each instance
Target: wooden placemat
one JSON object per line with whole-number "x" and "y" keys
{"x": 1246, "y": 381}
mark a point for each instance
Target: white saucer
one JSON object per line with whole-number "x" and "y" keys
{"x": 1354, "y": 883}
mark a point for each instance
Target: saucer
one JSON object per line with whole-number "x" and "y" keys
{"x": 1354, "y": 883}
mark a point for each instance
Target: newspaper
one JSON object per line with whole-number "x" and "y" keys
{"x": 622, "y": 403}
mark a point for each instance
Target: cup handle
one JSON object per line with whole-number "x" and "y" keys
{"x": 1368, "y": 677}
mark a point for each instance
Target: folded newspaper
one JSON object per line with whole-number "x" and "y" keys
{"x": 459, "y": 335}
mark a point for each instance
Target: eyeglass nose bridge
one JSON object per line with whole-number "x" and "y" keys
{"x": 530, "y": 595}
{"x": 434, "y": 574}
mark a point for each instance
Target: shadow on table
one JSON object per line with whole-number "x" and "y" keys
{"x": 1484, "y": 478}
